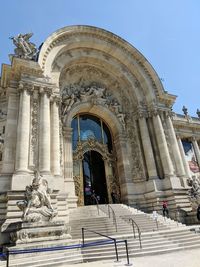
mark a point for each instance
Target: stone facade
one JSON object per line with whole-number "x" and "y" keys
{"x": 86, "y": 70}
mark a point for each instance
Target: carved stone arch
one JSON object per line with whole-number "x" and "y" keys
{"x": 96, "y": 110}
{"x": 97, "y": 39}
{"x": 114, "y": 73}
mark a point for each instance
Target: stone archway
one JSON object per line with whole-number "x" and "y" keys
{"x": 92, "y": 136}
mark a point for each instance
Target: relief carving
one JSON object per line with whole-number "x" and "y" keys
{"x": 34, "y": 130}
{"x": 94, "y": 94}
{"x": 136, "y": 156}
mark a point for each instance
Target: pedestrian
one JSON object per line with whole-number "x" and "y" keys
{"x": 198, "y": 213}
{"x": 94, "y": 198}
{"x": 113, "y": 197}
{"x": 165, "y": 208}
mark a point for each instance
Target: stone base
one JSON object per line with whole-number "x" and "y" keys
{"x": 21, "y": 232}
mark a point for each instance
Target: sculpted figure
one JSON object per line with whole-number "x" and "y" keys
{"x": 69, "y": 101}
{"x": 117, "y": 111}
{"x": 194, "y": 191}
{"x": 25, "y": 49}
{"x": 37, "y": 204}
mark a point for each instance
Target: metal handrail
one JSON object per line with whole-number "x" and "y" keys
{"x": 138, "y": 229}
{"x": 113, "y": 215}
{"x": 97, "y": 203}
{"x": 111, "y": 238}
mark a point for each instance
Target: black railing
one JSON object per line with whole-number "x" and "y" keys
{"x": 114, "y": 240}
{"x": 134, "y": 224}
{"x": 110, "y": 209}
{"x": 6, "y": 255}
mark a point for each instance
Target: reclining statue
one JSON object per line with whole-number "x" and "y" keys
{"x": 37, "y": 205}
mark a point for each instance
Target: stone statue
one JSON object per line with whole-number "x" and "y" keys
{"x": 185, "y": 111}
{"x": 117, "y": 110}
{"x": 37, "y": 204}
{"x": 194, "y": 191}
{"x": 69, "y": 101}
{"x": 25, "y": 49}
{"x": 198, "y": 113}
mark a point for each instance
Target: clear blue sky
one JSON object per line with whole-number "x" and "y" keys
{"x": 166, "y": 32}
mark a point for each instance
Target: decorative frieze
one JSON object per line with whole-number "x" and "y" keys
{"x": 94, "y": 94}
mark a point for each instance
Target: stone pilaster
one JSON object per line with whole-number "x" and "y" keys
{"x": 162, "y": 145}
{"x": 11, "y": 132}
{"x": 196, "y": 149}
{"x": 175, "y": 148}
{"x": 68, "y": 167}
{"x": 23, "y": 131}
{"x": 123, "y": 165}
{"x": 44, "y": 133}
{"x": 147, "y": 148}
{"x": 55, "y": 137}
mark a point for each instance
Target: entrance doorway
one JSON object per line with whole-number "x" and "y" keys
{"x": 94, "y": 178}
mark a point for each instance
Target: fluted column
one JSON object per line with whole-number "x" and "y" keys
{"x": 44, "y": 135}
{"x": 147, "y": 148}
{"x": 185, "y": 163}
{"x": 196, "y": 149}
{"x": 23, "y": 131}
{"x": 55, "y": 137}
{"x": 162, "y": 145}
{"x": 175, "y": 148}
{"x": 68, "y": 167}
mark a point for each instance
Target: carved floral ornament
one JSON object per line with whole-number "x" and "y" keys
{"x": 91, "y": 144}
{"x": 94, "y": 94}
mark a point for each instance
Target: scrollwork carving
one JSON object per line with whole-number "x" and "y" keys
{"x": 78, "y": 190}
{"x": 136, "y": 156}
{"x": 34, "y": 130}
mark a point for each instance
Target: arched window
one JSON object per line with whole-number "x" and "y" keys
{"x": 86, "y": 126}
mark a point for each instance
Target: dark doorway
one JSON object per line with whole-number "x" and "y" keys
{"x": 94, "y": 178}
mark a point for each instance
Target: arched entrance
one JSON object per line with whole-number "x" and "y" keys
{"x": 94, "y": 164}
{"x": 94, "y": 178}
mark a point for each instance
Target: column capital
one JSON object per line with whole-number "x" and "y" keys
{"x": 194, "y": 138}
{"x": 55, "y": 99}
{"x": 45, "y": 91}
{"x": 29, "y": 88}
{"x": 142, "y": 113}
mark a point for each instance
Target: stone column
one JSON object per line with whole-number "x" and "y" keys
{"x": 44, "y": 132}
{"x": 68, "y": 167}
{"x": 23, "y": 131}
{"x": 55, "y": 137}
{"x": 196, "y": 150}
{"x": 147, "y": 147}
{"x": 162, "y": 145}
{"x": 175, "y": 148}
{"x": 185, "y": 163}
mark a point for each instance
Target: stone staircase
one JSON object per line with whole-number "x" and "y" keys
{"x": 163, "y": 236}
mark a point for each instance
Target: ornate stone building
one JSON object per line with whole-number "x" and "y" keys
{"x": 91, "y": 114}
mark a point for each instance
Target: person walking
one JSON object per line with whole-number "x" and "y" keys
{"x": 165, "y": 208}
{"x": 198, "y": 213}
